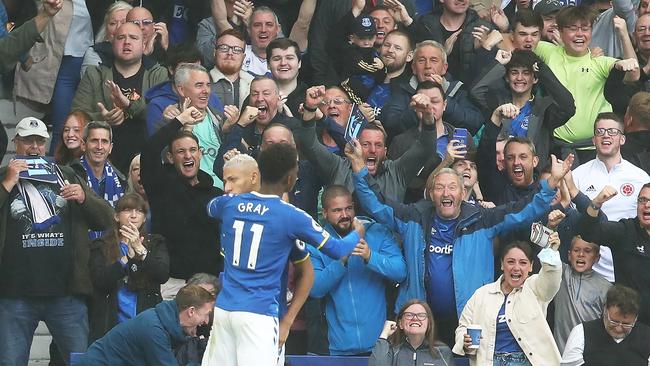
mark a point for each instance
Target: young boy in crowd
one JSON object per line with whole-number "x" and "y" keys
{"x": 362, "y": 68}
{"x": 582, "y": 293}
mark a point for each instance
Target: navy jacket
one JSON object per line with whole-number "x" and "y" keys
{"x": 144, "y": 340}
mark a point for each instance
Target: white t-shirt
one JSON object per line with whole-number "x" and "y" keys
{"x": 575, "y": 347}
{"x": 253, "y": 64}
{"x": 591, "y": 177}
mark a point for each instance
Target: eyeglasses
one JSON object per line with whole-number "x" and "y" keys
{"x": 642, "y": 200}
{"x": 610, "y": 131}
{"x": 574, "y": 29}
{"x": 642, "y": 29}
{"x": 619, "y": 324}
{"x": 31, "y": 140}
{"x": 336, "y": 101}
{"x": 224, "y": 48}
{"x": 417, "y": 316}
{"x": 145, "y": 22}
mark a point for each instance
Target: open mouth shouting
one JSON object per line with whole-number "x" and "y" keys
{"x": 447, "y": 202}
{"x": 518, "y": 172}
{"x": 371, "y": 163}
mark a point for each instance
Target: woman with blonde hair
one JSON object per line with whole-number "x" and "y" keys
{"x": 411, "y": 340}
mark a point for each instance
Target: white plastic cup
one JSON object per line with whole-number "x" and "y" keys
{"x": 474, "y": 332}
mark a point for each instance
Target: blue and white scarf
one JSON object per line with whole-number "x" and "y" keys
{"x": 113, "y": 189}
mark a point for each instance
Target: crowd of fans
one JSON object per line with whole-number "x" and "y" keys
{"x": 500, "y": 181}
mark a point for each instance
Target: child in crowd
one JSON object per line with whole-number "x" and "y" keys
{"x": 362, "y": 68}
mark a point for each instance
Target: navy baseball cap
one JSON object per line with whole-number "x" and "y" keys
{"x": 546, "y": 7}
{"x": 364, "y": 26}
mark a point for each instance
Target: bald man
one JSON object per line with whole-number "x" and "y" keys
{"x": 112, "y": 92}
{"x": 155, "y": 34}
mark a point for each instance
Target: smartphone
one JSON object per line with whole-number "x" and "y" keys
{"x": 461, "y": 135}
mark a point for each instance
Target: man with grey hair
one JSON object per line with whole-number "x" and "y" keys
{"x": 263, "y": 28}
{"x": 443, "y": 224}
{"x": 430, "y": 63}
{"x": 192, "y": 84}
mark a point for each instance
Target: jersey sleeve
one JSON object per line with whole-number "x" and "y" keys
{"x": 309, "y": 231}
{"x": 298, "y": 253}
{"x": 215, "y": 206}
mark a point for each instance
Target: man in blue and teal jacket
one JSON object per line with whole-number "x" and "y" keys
{"x": 447, "y": 242}
{"x": 355, "y": 286}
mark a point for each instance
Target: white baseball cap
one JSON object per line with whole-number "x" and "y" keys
{"x": 30, "y": 126}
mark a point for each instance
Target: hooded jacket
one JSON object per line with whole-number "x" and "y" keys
{"x": 161, "y": 96}
{"x": 145, "y": 340}
{"x": 356, "y": 302}
{"x": 472, "y": 258}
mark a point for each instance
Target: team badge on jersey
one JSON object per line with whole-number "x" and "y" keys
{"x": 627, "y": 189}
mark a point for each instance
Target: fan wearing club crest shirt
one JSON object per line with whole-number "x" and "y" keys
{"x": 258, "y": 231}
{"x": 609, "y": 168}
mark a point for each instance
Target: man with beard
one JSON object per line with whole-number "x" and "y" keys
{"x": 395, "y": 52}
{"x": 355, "y": 285}
{"x": 112, "y": 92}
{"x": 392, "y": 176}
{"x": 434, "y": 228}
{"x": 609, "y": 168}
{"x": 229, "y": 81}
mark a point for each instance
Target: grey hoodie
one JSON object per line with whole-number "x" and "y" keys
{"x": 581, "y": 298}
{"x": 604, "y": 35}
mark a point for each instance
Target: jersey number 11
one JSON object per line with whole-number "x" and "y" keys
{"x": 257, "y": 230}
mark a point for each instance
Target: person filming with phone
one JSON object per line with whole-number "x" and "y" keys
{"x": 429, "y": 103}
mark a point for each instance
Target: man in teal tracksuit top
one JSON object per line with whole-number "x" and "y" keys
{"x": 355, "y": 285}
{"x": 448, "y": 243}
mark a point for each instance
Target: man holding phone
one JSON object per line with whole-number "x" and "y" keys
{"x": 429, "y": 103}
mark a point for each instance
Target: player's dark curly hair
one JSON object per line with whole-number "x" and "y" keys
{"x": 276, "y": 161}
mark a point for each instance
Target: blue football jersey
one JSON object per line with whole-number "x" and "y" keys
{"x": 258, "y": 233}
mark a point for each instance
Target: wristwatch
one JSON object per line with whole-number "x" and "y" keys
{"x": 594, "y": 206}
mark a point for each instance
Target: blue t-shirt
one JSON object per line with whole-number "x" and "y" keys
{"x": 505, "y": 341}
{"x": 127, "y": 300}
{"x": 258, "y": 233}
{"x": 519, "y": 125}
{"x": 379, "y": 95}
{"x": 440, "y": 291}
{"x": 178, "y": 24}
